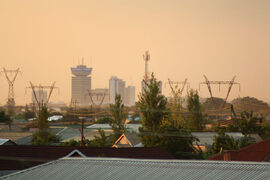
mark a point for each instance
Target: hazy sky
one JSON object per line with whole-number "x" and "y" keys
{"x": 186, "y": 39}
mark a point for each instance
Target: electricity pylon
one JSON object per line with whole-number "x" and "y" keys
{"x": 230, "y": 83}
{"x": 42, "y": 88}
{"x": 176, "y": 83}
{"x": 11, "y": 76}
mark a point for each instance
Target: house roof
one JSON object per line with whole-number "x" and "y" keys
{"x": 132, "y": 138}
{"x": 206, "y": 138}
{"x": 255, "y": 152}
{"x": 13, "y": 157}
{"x": 6, "y": 142}
{"x": 132, "y": 127}
{"x": 117, "y": 168}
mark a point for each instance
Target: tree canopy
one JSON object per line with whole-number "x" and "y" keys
{"x": 195, "y": 116}
{"x": 158, "y": 127}
{"x": 118, "y": 117}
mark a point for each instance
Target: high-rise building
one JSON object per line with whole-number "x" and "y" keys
{"x": 129, "y": 96}
{"x": 116, "y": 86}
{"x": 81, "y": 83}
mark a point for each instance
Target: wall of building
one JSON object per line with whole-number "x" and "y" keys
{"x": 117, "y": 86}
{"x": 81, "y": 83}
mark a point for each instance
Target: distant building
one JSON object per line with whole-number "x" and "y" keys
{"x": 81, "y": 83}
{"x": 129, "y": 96}
{"x": 117, "y": 86}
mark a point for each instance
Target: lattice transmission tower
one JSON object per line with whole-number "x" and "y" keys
{"x": 176, "y": 89}
{"x": 99, "y": 97}
{"x": 11, "y": 76}
{"x": 219, "y": 83}
{"x": 41, "y": 88}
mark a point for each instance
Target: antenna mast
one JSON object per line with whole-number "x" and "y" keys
{"x": 146, "y": 58}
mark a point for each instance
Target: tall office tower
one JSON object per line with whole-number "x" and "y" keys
{"x": 116, "y": 86}
{"x": 41, "y": 96}
{"x": 129, "y": 96}
{"x": 81, "y": 83}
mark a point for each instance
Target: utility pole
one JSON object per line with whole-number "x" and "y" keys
{"x": 73, "y": 104}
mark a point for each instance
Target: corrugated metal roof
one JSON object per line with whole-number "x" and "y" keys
{"x": 206, "y": 138}
{"x": 106, "y": 168}
{"x": 3, "y": 141}
{"x": 255, "y": 152}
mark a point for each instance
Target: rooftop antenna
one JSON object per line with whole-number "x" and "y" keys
{"x": 146, "y": 58}
{"x": 82, "y": 60}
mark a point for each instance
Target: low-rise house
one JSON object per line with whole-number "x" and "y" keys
{"x": 259, "y": 152}
{"x": 4, "y": 142}
{"x": 22, "y": 157}
{"x": 119, "y": 168}
{"x": 128, "y": 140}
{"x": 206, "y": 138}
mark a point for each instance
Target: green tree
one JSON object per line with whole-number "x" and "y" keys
{"x": 101, "y": 140}
{"x": 5, "y": 119}
{"x": 118, "y": 117}
{"x": 177, "y": 140}
{"x": 159, "y": 127}
{"x": 195, "y": 117}
{"x": 248, "y": 123}
{"x": 28, "y": 113}
{"x": 43, "y": 136}
{"x": 71, "y": 142}
{"x": 42, "y": 121}
{"x": 175, "y": 105}
{"x": 104, "y": 120}
{"x": 152, "y": 105}
{"x": 224, "y": 142}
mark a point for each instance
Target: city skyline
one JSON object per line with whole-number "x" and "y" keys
{"x": 186, "y": 39}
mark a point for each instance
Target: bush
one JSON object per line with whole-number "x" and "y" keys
{"x": 44, "y": 138}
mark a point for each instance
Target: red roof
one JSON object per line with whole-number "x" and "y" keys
{"x": 256, "y": 152}
{"x": 21, "y": 157}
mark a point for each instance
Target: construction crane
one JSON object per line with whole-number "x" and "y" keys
{"x": 219, "y": 83}
{"x": 176, "y": 83}
{"x": 11, "y": 76}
